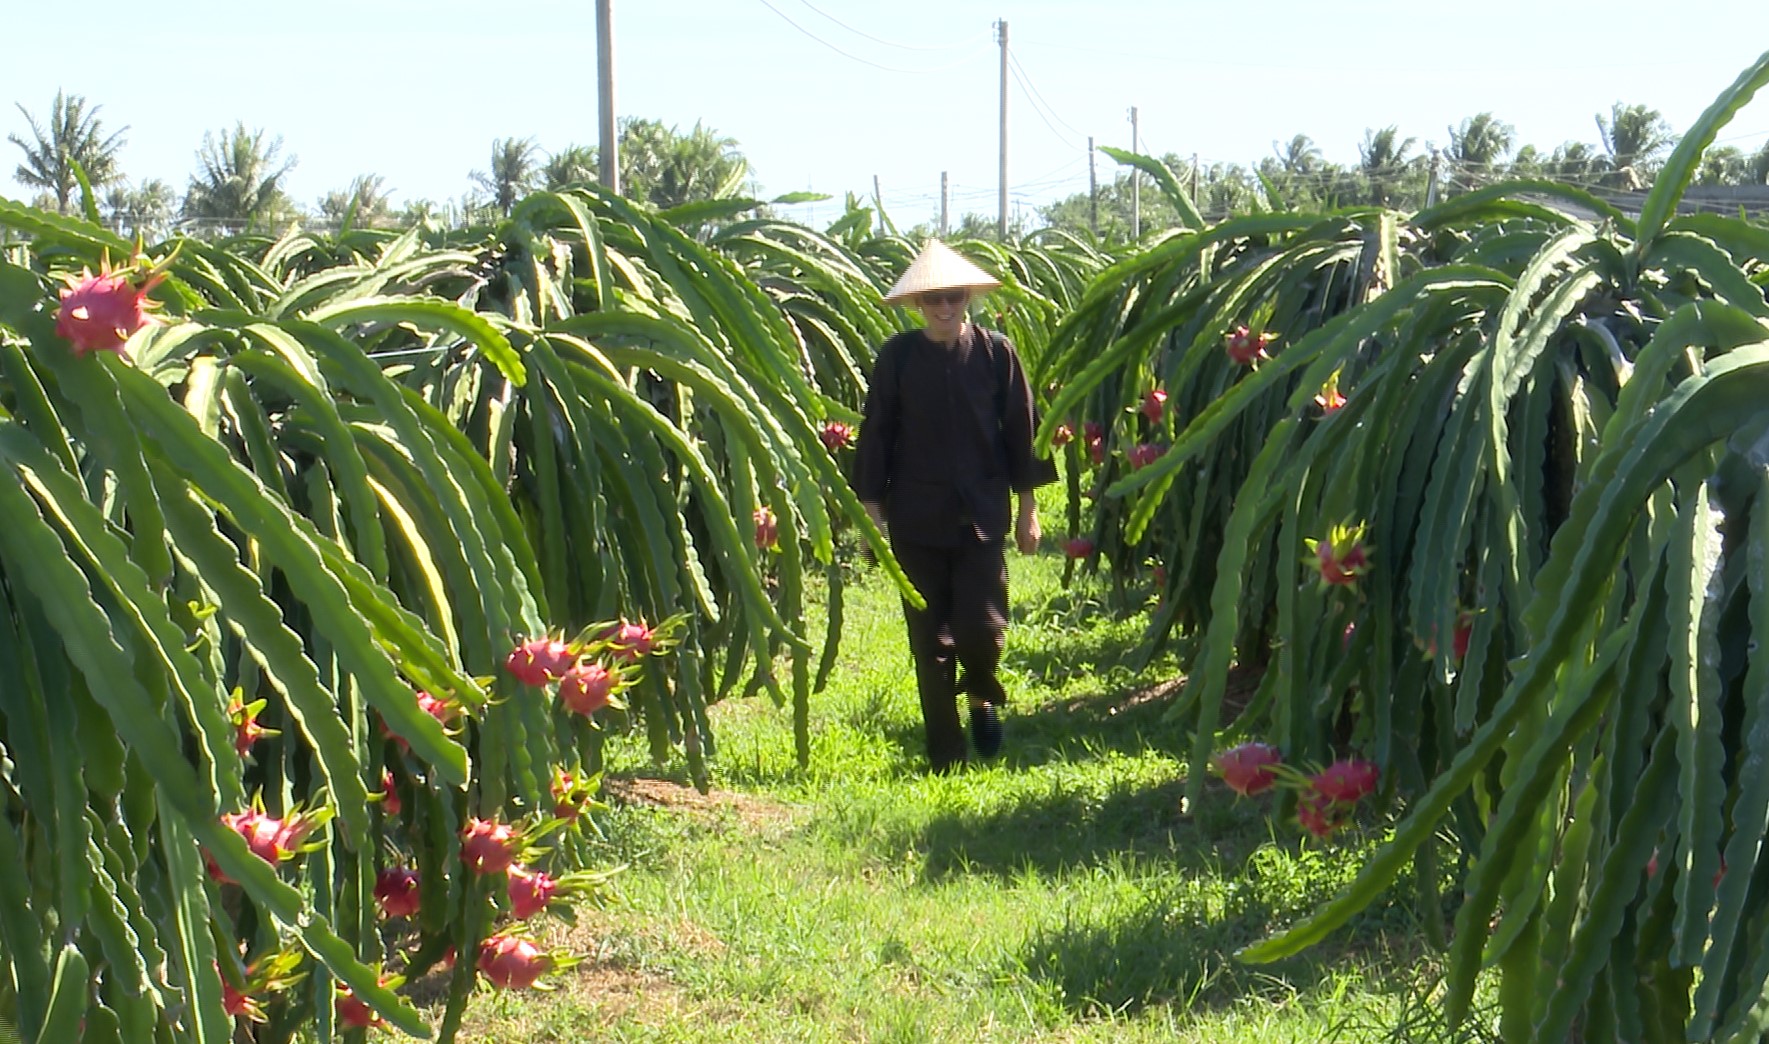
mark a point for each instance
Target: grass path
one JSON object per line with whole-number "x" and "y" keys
{"x": 1057, "y": 894}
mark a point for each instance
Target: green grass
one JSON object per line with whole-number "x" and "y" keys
{"x": 1058, "y": 894}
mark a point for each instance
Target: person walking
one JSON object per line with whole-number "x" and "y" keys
{"x": 944, "y": 446}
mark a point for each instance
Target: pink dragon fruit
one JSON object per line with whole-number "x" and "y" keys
{"x": 489, "y": 847}
{"x": 98, "y": 313}
{"x": 530, "y": 891}
{"x": 1247, "y": 768}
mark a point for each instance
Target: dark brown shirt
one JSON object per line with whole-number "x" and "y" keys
{"x": 947, "y": 434}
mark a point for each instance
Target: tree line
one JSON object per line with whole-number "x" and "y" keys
{"x": 241, "y": 176}
{"x": 1395, "y": 171}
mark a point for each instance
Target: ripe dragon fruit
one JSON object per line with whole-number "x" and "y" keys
{"x": 837, "y": 435}
{"x": 353, "y": 1013}
{"x": 489, "y": 847}
{"x": 1463, "y": 633}
{"x": 98, "y": 313}
{"x": 530, "y": 891}
{"x": 390, "y": 803}
{"x": 631, "y": 641}
{"x": 396, "y": 889}
{"x": 442, "y": 710}
{"x": 540, "y": 660}
{"x": 1079, "y": 547}
{"x": 1347, "y": 780}
{"x": 585, "y": 689}
{"x": 511, "y": 963}
{"x": 1154, "y": 406}
{"x": 1143, "y": 454}
{"x": 1318, "y": 814}
{"x": 270, "y": 839}
{"x": 1246, "y": 347}
{"x": 1062, "y": 436}
{"x": 767, "y": 529}
{"x": 1247, "y": 768}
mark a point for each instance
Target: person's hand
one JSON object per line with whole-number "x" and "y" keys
{"x": 876, "y": 513}
{"x": 1027, "y": 532}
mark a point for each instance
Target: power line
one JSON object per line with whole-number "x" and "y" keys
{"x": 1281, "y": 63}
{"x": 971, "y": 43}
{"x": 1025, "y": 79}
{"x": 1066, "y": 140}
{"x": 854, "y": 57}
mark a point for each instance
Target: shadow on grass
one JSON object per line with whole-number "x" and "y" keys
{"x": 1058, "y": 832}
{"x": 1128, "y": 720}
{"x": 1176, "y": 954}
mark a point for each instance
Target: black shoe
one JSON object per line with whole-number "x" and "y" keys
{"x": 985, "y": 729}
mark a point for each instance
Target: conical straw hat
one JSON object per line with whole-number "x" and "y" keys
{"x": 939, "y": 267}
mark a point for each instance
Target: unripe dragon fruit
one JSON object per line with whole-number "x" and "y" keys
{"x": 246, "y": 730}
{"x": 1340, "y": 558}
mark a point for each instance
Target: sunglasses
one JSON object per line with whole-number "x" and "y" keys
{"x": 940, "y": 297}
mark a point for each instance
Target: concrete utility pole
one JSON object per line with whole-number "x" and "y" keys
{"x": 878, "y": 201}
{"x": 1194, "y": 179}
{"x": 1431, "y": 185}
{"x": 1092, "y": 190}
{"x": 1001, "y": 219}
{"x": 945, "y": 203}
{"x": 1135, "y": 184}
{"x": 608, "y": 154}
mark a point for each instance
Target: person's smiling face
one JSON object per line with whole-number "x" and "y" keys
{"x": 944, "y": 312}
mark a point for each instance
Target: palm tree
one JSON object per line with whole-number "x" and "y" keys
{"x": 1575, "y": 160}
{"x": 240, "y": 180}
{"x": 668, "y": 169}
{"x": 73, "y": 135}
{"x": 368, "y": 193}
{"x": 1481, "y": 142}
{"x": 1723, "y": 165}
{"x": 571, "y": 165}
{"x": 1757, "y": 168}
{"x": 1383, "y": 160}
{"x": 146, "y": 210}
{"x": 512, "y": 172}
{"x": 1633, "y": 136}
{"x": 1298, "y": 155}
{"x": 1528, "y": 162}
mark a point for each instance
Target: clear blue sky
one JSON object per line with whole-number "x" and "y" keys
{"x": 417, "y": 91}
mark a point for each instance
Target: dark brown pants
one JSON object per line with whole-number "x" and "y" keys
{"x": 962, "y": 626}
